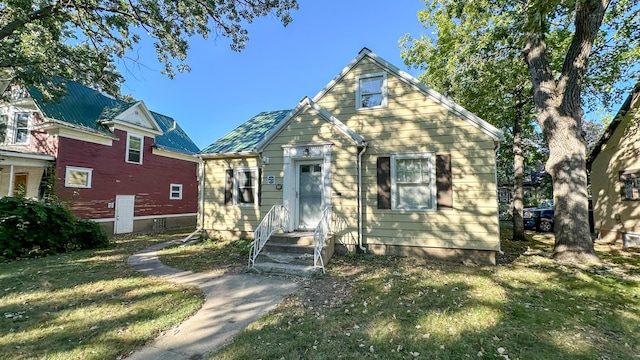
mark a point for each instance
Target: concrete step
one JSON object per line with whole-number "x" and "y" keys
{"x": 276, "y": 247}
{"x": 303, "y": 271}
{"x": 285, "y": 258}
{"x": 296, "y": 237}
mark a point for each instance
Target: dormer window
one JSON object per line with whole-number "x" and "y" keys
{"x": 371, "y": 91}
{"x": 134, "y": 148}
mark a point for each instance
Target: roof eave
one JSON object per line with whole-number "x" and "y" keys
{"x": 449, "y": 104}
{"x": 226, "y": 155}
{"x": 51, "y": 124}
{"x": 626, "y": 106}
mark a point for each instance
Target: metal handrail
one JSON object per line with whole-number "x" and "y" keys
{"x": 320, "y": 236}
{"x": 276, "y": 219}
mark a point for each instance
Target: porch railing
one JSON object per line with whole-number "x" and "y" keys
{"x": 276, "y": 219}
{"x": 320, "y": 236}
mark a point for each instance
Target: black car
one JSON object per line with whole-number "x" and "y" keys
{"x": 541, "y": 218}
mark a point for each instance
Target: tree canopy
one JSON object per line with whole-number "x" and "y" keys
{"x": 80, "y": 39}
{"x": 569, "y": 48}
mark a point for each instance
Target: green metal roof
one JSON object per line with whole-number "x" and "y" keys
{"x": 173, "y": 137}
{"x": 82, "y": 107}
{"x": 246, "y": 136}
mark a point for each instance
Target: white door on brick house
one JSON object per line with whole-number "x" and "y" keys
{"x": 124, "y": 214}
{"x": 309, "y": 193}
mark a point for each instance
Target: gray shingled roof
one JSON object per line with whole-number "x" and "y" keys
{"x": 246, "y": 136}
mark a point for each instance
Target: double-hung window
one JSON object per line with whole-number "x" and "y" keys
{"x": 371, "y": 90}
{"x": 245, "y": 186}
{"x": 21, "y": 128}
{"x": 4, "y": 124}
{"x": 175, "y": 192}
{"x": 413, "y": 182}
{"x": 135, "y": 145}
{"x": 630, "y": 184}
{"x": 78, "y": 177}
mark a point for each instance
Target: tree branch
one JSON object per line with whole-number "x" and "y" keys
{"x": 41, "y": 13}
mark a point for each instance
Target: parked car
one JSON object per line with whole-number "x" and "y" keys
{"x": 541, "y": 218}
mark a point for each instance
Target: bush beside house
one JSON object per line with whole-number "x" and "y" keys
{"x": 29, "y": 228}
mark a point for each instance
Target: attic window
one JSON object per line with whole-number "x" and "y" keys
{"x": 371, "y": 91}
{"x": 134, "y": 149}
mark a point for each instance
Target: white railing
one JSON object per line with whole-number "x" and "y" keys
{"x": 320, "y": 236}
{"x": 276, "y": 219}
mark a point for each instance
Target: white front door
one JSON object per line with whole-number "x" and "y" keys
{"x": 124, "y": 214}
{"x": 309, "y": 193}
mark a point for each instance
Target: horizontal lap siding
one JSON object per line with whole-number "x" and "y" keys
{"x": 221, "y": 217}
{"x": 414, "y": 123}
{"x": 614, "y": 216}
{"x": 149, "y": 182}
{"x": 308, "y": 127}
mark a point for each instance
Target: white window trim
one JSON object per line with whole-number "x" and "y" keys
{"x": 432, "y": 180}
{"x": 126, "y": 154}
{"x": 236, "y": 182}
{"x": 14, "y": 136}
{"x": 179, "y": 197}
{"x": 383, "y": 103}
{"x": 79, "y": 169}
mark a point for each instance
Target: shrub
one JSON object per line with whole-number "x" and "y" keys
{"x": 31, "y": 228}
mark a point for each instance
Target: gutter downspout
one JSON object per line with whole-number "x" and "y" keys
{"x": 496, "y": 149}
{"x": 364, "y": 148}
{"x": 200, "y": 226}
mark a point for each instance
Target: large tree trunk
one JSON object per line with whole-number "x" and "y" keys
{"x": 518, "y": 171}
{"x": 559, "y": 114}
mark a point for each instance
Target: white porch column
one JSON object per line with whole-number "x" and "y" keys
{"x": 11, "y": 176}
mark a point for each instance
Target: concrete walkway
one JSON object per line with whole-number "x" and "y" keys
{"x": 231, "y": 303}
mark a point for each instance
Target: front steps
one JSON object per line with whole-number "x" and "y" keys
{"x": 291, "y": 254}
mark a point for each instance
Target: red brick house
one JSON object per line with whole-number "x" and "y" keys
{"x": 115, "y": 162}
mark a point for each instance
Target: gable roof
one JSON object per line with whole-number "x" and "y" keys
{"x": 245, "y": 137}
{"x": 446, "y": 102}
{"x": 324, "y": 113}
{"x": 633, "y": 97}
{"x": 86, "y": 108}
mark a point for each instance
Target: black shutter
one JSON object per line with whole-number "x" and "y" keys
{"x": 228, "y": 187}
{"x": 384, "y": 182}
{"x": 260, "y": 186}
{"x": 444, "y": 182}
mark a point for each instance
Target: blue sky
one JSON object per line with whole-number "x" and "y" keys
{"x": 279, "y": 66}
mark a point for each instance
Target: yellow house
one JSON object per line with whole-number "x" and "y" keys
{"x": 376, "y": 160}
{"x": 615, "y": 176}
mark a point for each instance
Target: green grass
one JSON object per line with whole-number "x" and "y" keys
{"x": 527, "y": 307}
{"x": 92, "y": 305}
{"x": 88, "y": 304}
{"x": 212, "y": 256}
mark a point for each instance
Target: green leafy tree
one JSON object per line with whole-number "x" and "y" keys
{"x": 557, "y": 41}
{"x": 472, "y": 65}
{"x": 80, "y": 39}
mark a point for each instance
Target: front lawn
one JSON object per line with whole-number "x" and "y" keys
{"x": 526, "y": 307}
{"x": 87, "y": 304}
